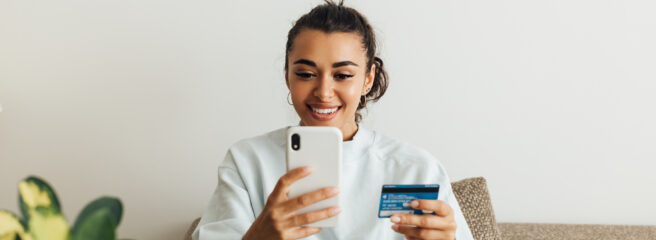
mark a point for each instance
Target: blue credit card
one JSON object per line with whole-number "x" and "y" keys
{"x": 395, "y": 199}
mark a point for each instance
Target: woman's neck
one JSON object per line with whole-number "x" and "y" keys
{"x": 348, "y": 134}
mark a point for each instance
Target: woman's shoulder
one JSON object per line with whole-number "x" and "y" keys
{"x": 394, "y": 148}
{"x": 271, "y": 139}
{"x": 257, "y": 150}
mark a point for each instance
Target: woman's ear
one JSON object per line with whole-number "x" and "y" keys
{"x": 369, "y": 80}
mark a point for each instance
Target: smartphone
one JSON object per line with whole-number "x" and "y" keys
{"x": 321, "y": 149}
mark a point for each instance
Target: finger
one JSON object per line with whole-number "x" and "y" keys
{"x": 307, "y": 199}
{"x": 411, "y": 238}
{"x": 301, "y": 232}
{"x": 314, "y": 216}
{"x": 282, "y": 186}
{"x": 438, "y": 206}
{"x": 419, "y": 233}
{"x": 425, "y": 221}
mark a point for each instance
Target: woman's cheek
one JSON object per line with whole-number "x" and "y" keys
{"x": 354, "y": 95}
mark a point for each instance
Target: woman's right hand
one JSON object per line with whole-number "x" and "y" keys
{"x": 278, "y": 219}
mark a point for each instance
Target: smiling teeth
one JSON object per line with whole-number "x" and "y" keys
{"x": 324, "y": 110}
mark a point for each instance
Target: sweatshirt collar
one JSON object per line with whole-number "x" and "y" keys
{"x": 361, "y": 143}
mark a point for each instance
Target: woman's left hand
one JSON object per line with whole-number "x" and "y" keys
{"x": 427, "y": 226}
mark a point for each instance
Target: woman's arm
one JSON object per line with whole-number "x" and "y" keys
{"x": 231, "y": 216}
{"x": 229, "y": 213}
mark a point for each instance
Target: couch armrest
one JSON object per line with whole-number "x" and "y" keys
{"x": 191, "y": 229}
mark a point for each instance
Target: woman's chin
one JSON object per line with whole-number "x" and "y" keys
{"x": 313, "y": 122}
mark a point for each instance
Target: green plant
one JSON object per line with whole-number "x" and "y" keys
{"x": 43, "y": 219}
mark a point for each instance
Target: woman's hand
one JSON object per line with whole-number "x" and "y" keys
{"x": 278, "y": 220}
{"x": 427, "y": 226}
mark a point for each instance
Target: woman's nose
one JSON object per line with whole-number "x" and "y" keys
{"x": 325, "y": 90}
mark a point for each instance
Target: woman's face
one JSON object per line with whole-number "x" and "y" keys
{"x": 326, "y": 76}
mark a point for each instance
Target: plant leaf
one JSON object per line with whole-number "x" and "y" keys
{"x": 10, "y": 226}
{"x": 9, "y": 236}
{"x": 40, "y": 207}
{"x": 98, "y": 225}
{"x": 114, "y": 206}
{"x": 35, "y": 192}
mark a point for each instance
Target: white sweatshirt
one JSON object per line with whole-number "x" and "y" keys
{"x": 253, "y": 166}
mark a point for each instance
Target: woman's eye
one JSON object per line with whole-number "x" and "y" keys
{"x": 342, "y": 76}
{"x": 304, "y": 75}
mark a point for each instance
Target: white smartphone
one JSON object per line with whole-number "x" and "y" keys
{"x": 321, "y": 149}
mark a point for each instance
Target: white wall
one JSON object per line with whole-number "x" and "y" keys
{"x": 551, "y": 101}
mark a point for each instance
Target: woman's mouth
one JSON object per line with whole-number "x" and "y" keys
{"x": 324, "y": 113}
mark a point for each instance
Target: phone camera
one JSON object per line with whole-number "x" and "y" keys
{"x": 296, "y": 142}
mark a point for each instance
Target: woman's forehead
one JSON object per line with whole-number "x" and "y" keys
{"x": 327, "y": 48}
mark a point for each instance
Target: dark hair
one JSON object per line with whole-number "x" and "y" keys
{"x": 335, "y": 17}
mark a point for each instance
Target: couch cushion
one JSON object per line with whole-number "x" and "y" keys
{"x": 521, "y": 231}
{"x": 476, "y": 205}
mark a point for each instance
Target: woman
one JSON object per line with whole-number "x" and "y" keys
{"x": 332, "y": 72}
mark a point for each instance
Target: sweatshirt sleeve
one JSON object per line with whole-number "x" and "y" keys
{"x": 229, "y": 213}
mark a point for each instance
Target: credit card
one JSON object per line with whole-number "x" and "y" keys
{"x": 395, "y": 199}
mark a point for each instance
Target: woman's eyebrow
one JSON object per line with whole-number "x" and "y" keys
{"x": 343, "y": 63}
{"x": 306, "y": 62}
{"x": 335, "y": 65}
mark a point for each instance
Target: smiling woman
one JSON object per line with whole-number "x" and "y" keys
{"x": 329, "y": 79}
{"x": 332, "y": 72}
{"x": 340, "y": 36}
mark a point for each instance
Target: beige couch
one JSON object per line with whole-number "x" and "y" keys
{"x": 474, "y": 200}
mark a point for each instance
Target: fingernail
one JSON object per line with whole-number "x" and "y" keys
{"x": 395, "y": 219}
{"x": 335, "y": 210}
{"x": 414, "y": 204}
{"x": 395, "y": 227}
{"x": 333, "y": 190}
{"x": 307, "y": 169}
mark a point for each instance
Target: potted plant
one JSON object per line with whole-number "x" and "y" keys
{"x": 42, "y": 217}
